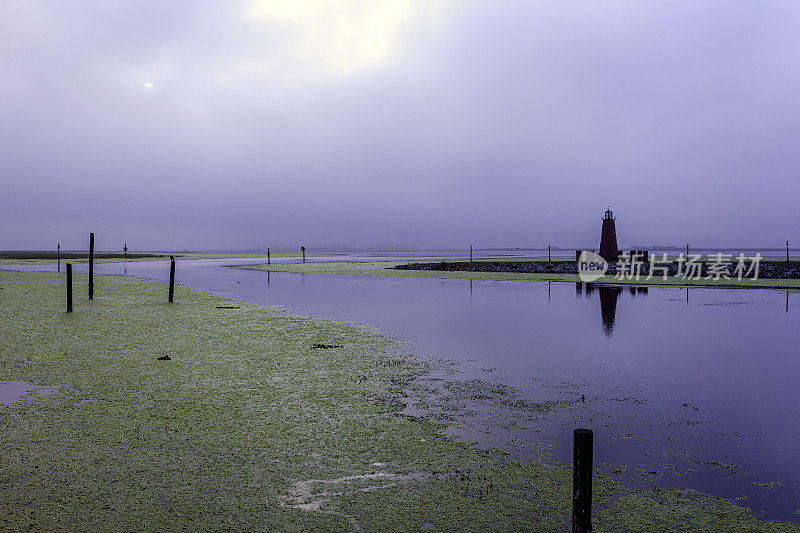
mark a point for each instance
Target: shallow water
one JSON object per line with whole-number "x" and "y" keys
{"x": 667, "y": 376}
{"x": 15, "y": 392}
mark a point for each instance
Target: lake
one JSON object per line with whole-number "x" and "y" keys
{"x": 685, "y": 388}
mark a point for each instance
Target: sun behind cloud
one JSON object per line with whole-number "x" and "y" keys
{"x": 338, "y": 36}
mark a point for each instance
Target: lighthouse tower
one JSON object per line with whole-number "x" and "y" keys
{"x": 608, "y": 239}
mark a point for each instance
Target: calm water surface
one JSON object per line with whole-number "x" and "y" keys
{"x": 704, "y": 381}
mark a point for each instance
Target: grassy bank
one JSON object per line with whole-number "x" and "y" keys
{"x": 384, "y": 269}
{"x": 250, "y": 426}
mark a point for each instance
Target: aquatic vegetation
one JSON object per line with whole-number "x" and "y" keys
{"x": 48, "y": 258}
{"x": 249, "y": 426}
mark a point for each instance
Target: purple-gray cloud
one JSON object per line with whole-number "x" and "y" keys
{"x": 499, "y": 124}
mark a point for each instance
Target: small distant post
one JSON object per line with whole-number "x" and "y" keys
{"x": 787, "y": 251}
{"x": 548, "y": 253}
{"x": 582, "y": 481}
{"x": 470, "y": 253}
{"x": 91, "y": 266}
{"x": 69, "y": 287}
{"x": 125, "y": 251}
{"x": 303, "y": 249}
{"x": 687, "y": 250}
{"x": 171, "y": 278}
{"x": 59, "y": 257}
{"x": 268, "y": 263}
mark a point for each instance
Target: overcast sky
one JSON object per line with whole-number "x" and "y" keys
{"x": 231, "y": 125}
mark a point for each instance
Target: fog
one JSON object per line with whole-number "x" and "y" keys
{"x": 233, "y": 125}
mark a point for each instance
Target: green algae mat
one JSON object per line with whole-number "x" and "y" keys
{"x": 50, "y": 258}
{"x": 258, "y": 421}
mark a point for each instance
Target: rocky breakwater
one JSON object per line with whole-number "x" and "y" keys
{"x": 766, "y": 270}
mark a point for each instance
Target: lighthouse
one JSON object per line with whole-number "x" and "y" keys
{"x": 608, "y": 239}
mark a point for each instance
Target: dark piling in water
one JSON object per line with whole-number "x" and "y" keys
{"x": 582, "y": 481}
{"x": 91, "y": 266}
{"x": 69, "y": 288}
{"x": 171, "y": 278}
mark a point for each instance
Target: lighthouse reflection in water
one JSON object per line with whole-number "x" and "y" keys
{"x": 608, "y": 296}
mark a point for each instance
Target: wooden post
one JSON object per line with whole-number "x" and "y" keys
{"x": 303, "y": 249}
{"x": 548, "y": 253}
{"x": 69, "y": 288}
{"x": 91, "y": 266}
{"x": 582, "y": 481}
{"x": 687, "y": 251}
{"x": 470, "y": 253}
{"x": 171, "y": 277}
{"x": 787, "y": 251}
{"x": 125, "y": 251}
{"x": 59, "y": 257}
{"x": 268, "y": 255}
